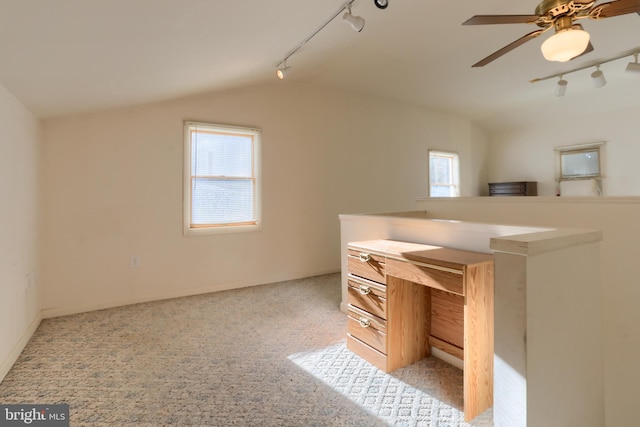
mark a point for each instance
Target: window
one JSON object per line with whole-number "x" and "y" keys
{"x": 221, "y": 183}
{"x": 580, "y": 163}
{"x": 444, "y": 174}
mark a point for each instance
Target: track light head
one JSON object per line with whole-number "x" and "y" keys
{"x": 356, "y": 22}
{"x": 598, "y": 77}
{"x": 282, "y": 72}
{"x": 381, "y": 4}
{"x": 561, "y": 87}
{"x": 634, "y": 67}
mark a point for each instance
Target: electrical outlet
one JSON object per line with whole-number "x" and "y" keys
{"x": 30, "y": 281}
{"x": 135, "y": 261}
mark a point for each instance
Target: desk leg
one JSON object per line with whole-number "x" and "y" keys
{"x": 478, "y": 341}
{"x": 408, "y": 322}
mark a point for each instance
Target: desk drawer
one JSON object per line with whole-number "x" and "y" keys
{"x": 369, "y": 296}
{"x": 368, "y": 353}
{"x": 368, "y": 328}
{"x": 428, "y": 276}
{"x": 367, "y": 334}
{"x": 366, "y": 265}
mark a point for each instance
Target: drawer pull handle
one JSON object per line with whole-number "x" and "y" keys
{"x": 364, "y": 290}
{"x": 364, "y": 322}
{"x": 365, "y": 257}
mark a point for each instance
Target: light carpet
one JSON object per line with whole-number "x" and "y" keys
{"x": 271, "y": 355}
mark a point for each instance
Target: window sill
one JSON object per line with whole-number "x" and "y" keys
{"x": 205, "y": 231}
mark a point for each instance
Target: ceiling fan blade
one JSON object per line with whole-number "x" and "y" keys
{"x": 615, "y": 8}
{"x": 508, "y": 48}
{"x": 500, "y": 19}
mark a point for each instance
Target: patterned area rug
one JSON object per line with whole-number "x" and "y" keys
{"x": 271, "y": 355}
{"x": 427, "y": 393}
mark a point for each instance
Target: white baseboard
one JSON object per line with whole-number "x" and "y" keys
{"x": 8, "y": 362}
{"x": 343, "y": 307}
{"x": 83, "y": 308}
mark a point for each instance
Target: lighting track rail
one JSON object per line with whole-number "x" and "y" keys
{"x": 597, "y": 75}
{"x": 356, "y": 22}
{"x": 631, "y": 52}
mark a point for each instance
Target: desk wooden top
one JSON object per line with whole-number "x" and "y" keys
{"x": 418, "y": 252}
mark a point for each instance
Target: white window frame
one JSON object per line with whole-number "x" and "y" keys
{"x": 256, "y": 223}
{"x": 580, "y": 149}
{"x": 454, "y": 183}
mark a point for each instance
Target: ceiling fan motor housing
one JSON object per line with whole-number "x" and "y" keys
{"x": 550, "y": 10}
{"x": 563, "y": 23}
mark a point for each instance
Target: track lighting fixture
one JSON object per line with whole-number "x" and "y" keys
{"x": 634, "y": 67}
{"x": 561, "y": 87}
{"x": 598, "y": 77}
{"x": 356, "y": 22}
{"x": 283, "y": 71}
{"x": 381, "y": 4}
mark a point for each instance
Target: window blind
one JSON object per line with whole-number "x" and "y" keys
{"x": 223, "y": 177}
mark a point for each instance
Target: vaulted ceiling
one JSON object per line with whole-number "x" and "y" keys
{"x": 69, "y": 56}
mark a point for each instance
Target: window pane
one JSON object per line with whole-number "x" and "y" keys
{"x": 216, "y": 201}
{"x": 222, "y": 179}
{"x": 444, "y": 174}
{"x": 442, "y": 191}
{"x": 579, "y": 164}
{"x": 216, "y": 154}
{"x": 441, "y": 169}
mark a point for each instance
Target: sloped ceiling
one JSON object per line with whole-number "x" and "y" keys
{"x": 62, "y": 57}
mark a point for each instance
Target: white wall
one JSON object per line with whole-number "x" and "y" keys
{"x": 528, "y": 154}
{"x": 113, "y": 189}
{"x": 19, "y": 159}
{"x": 618, "y": 220}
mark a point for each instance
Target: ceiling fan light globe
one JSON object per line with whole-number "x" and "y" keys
{"x": 565, "y": 45}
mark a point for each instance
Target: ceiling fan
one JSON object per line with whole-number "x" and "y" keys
{"x": 570, "y": 39}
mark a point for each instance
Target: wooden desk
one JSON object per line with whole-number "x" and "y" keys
{"x": 406, "y": 297}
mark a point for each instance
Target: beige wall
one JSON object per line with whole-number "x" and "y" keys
{"x": 19, "y": 154}
{"x": 113, "y": 189}
{"x": 528, "y": 154}
{"x": 618, "y": 220}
